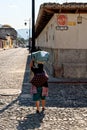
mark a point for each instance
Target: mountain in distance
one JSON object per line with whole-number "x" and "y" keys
{"x": 24, "y": 33}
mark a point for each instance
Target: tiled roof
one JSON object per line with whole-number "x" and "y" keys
{"x": 2, "y": 37}
{"x": 47, "y": 10}
{"x": 8, "y": 31}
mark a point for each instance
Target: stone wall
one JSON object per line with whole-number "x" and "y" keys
{"x": 74, "y": 62}
{"x": 67, "y": 63}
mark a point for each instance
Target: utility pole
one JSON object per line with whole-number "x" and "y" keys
{"x": 33, "y": 25}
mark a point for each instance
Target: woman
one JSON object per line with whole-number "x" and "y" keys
{"x": 39, "y": 85}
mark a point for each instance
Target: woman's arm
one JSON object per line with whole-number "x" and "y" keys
{"x": 34, "y": 70}
{"x": 31, "y": 64}
{"x": 46, "y": 73}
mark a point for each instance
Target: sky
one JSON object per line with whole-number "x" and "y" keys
{"x": 16, "y": 12}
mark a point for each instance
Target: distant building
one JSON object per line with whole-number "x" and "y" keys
{"x": 8, "y": 36}
{"x": 2, "y": 41}
{"x": 61, "y": 29}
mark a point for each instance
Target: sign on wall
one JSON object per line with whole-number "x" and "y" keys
{"x": 62, "y": 22}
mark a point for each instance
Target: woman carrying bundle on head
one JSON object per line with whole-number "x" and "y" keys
{"x": 39, "y": 85}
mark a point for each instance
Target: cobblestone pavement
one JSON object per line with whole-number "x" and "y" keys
{"x": 66, "y": 107}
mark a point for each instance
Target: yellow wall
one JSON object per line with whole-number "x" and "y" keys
{"x": 8, "y": 43}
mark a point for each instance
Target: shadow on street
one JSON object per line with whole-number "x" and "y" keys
{"x": 31, "y": 122}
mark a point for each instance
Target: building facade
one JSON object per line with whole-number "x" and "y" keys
{"x": 8, "y": 36}
{"x": 63, "y": 34}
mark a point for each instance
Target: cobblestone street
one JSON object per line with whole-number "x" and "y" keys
{"x": 66, "y": 107}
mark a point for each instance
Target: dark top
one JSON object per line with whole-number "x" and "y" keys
{"x": 39, "y": 71}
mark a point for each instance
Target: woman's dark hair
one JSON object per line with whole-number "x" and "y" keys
{"x": 40, "y": 66}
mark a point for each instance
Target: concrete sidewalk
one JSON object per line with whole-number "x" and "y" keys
{"x": 67, "y": 80}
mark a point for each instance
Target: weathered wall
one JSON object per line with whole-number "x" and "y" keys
{"x": 47, "y": 36}
{"x": 75, "y": 37}
{"x": 67, "y": 63}
{"x": 68, "y": 48}
{"x": 73, "y": 62}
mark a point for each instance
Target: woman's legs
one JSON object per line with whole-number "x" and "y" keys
{"x": 37, "y": 97}
{"x": 37, "y": 105}
{"x": 43, "y": 103}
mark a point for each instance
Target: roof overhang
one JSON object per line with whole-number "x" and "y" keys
{"x": 47, "y": 10}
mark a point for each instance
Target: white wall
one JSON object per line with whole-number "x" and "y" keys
{"x": 73, "y": 38}
{"x": 50, "y": 29}
{"x": 76, "y": 35}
